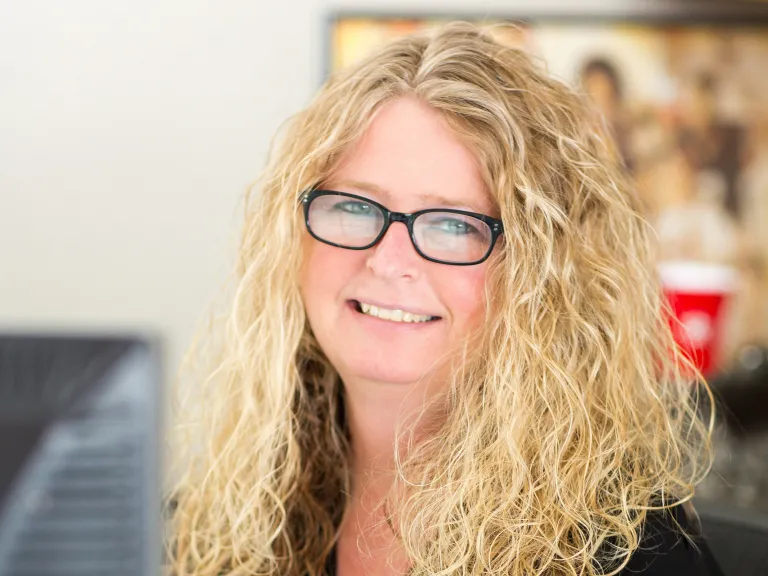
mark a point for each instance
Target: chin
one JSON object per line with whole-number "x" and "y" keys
{"x": 389, "y": 376}
{"x": 400, "y": 371}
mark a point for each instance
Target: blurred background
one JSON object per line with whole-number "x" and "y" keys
{"x": 130, "y": 131}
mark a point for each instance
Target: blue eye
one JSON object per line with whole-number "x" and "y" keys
{"x": 454, "y": 226}
{"x": 355, "y": 207}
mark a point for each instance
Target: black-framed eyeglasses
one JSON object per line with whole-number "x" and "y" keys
{"x": 442, "y": 235}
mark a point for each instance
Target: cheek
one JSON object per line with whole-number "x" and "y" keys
{"x": 463, "y": 293}
{"x": 325, "y": 272}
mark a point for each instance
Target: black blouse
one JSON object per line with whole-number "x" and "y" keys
{"x": 663, "y": 550}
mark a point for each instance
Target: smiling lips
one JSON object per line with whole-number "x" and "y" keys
{"x": 393, "y": 315}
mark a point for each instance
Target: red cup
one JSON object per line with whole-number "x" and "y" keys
{"x": 697, "y": 293}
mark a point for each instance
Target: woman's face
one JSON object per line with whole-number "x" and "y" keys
{"x": 407, "y": 160}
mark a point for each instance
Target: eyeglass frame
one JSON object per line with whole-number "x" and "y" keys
{"x": 496, "y": 226}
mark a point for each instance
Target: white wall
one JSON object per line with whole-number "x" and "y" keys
{"x": 128, "y": 133}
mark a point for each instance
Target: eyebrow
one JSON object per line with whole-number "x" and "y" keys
{"x": 427, "y": 198}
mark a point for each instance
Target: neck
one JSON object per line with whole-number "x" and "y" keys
{"x": 375, "y": 411}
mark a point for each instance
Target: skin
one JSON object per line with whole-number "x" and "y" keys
{"x": 407, "y": 160}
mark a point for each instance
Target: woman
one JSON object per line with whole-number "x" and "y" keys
{"x": 447, "y": 352}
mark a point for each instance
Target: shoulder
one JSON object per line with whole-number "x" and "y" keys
{"x": 671, "y": 545}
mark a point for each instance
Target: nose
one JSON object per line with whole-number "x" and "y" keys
{"x": 394, "y": 256}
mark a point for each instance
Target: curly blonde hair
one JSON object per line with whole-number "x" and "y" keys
{"x": 573, "y": 415}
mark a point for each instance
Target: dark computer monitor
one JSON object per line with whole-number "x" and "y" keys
{"x": 80, "y": 441}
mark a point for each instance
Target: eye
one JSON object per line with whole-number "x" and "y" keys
{"x": 455, "y": 226}
{"x": 355, "y": 207}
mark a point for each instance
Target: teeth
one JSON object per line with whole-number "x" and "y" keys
{"x": 392, "y": 315}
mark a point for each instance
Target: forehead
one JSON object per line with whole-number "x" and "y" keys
{"x": 409, "y": 159}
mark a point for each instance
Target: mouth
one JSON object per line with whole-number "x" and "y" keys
{"x": 391, "y": 315}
